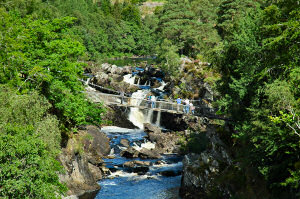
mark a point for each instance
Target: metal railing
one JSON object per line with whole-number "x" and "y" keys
{"x": 148, "y": 104}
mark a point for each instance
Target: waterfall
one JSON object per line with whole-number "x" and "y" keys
{"x": 157, "y": 123}
{"x": 129, "y": 79}
{"x": 138, "y": 82}
{"x": 163, "y": 84}
{"x": 87, "y": 81}
{"x": 136, "y": 116}
{"x": 149, "y": 116}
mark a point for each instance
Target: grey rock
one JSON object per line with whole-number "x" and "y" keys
{"x": 151, "y": 128}
{"x": 124, "y": 142}
{"x": 148, "y": 154}
{"x": 127, "y": 70}
{"x": 130, "y": 152}
{"x": 113, "y": 69}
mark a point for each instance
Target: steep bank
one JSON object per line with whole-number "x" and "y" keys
{"x": 210, "y": 170}
{"x": 82, "y": 161}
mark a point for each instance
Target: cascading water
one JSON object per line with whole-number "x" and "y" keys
{"x": 163, "y": 84}
{"x": 157, "y": 123}
{"x": 149, "y": 116}
{"x": 138, "y": 82}
{"x": 150, "y": 183}
{"x": 136, "y": 116}
{"x": 129, "y": 78}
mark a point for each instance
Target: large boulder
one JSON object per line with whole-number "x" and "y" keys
{"x": 106, "y": 67}
{"x": 127, "y": 70}
{"x": 137, "y": 166}
{"x": 113, "y": 69}
{"x": 148, "y": 154}
{"x": 165, "y": 142}
{"x": 101, "y": 79}
{"x": 213, "y": 172}
{"x": 130, "y": 152}
{"x": 124, "y": 142}
{"x": 151, "y": 128}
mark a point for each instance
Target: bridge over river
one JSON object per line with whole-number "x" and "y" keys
{"x": 141, "y": 103}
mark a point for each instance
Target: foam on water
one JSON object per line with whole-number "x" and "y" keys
{"x": 147, "y": 145}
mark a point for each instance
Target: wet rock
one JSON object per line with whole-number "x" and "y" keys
{"x": 151, "y": 128}
{"x": 130, "y": 152}
{"x": 124, "y": 142}
{"x": 170, "y": 173}
{"x": 165, "y": 142}
{"x": 136, "y": 163}
{"x": 136, "y": 166}
{"x": 148, "y": 154}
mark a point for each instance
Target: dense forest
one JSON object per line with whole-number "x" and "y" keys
{"x": 46, "y": 44}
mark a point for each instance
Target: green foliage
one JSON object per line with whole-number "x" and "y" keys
{"x": 26, "y": 171}
{"x": 29, "y": 144}
{"x": 41, "y": 55}
{"x": 170, "y": 59}
{"x": 178, "y": 24}
{"x": 197, "y": 143}
{"x": 30, "y": 110}
{"x": 258, "y": 60}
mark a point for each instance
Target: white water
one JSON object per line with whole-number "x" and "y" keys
{"x": 87, "y": 81}
{"x": 157, "y": 123}
{"x": 147, "y": 145}
{"x": 149, "y": 116}
{"x": 129, "y": 79}
{"x": 163, "y": 84}
{"x": 136, "y": 116}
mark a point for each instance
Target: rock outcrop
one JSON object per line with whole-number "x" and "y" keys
{"x": 212, "y": 173}
{"x": 136, "y": 166}
{"x": 165, "y": 142}
{"x": 201, "y": 171}
{"x": 111, "y": 76}
{"x": 144, "y": 153}
{"x": 82, "y": 161}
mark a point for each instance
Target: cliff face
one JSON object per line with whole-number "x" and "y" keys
{"x": 212, "y": 173}
{"x": 200, "y": 171}
{"x": 82, "y": 161}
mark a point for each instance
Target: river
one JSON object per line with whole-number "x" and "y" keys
{"x": 160, "y": 179}
{"x": 124, "y": 184}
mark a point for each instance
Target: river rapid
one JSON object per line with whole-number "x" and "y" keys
{"x": 162, "y": 177}
{"x": 124, "y": 184}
